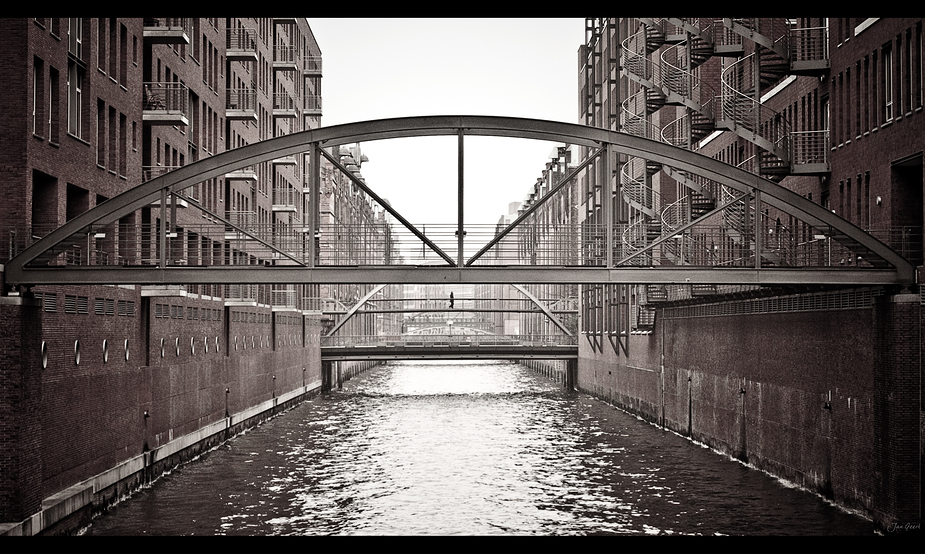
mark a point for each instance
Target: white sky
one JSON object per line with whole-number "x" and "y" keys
{"x": 384, "y": 68}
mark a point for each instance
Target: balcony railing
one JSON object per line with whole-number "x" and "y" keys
{"x": 242, "y": 45}
{"x": 285, "y": 56}
{"x": 311, "y": 64}
{"x": 241, "y": 104}
{"x": 168, "y": 30}
{"x": 312, "y": 103}
{"x": 285, "y": 199}
{"x": 284, "y": 104}
{"x": 724, "y": 239}
{"x": 165, "y": 103}
{"x": 810, "y": 148}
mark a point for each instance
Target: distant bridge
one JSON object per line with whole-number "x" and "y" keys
{"x": 449, "y": 346}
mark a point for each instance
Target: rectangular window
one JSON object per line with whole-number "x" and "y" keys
{"x": 101, "y": 44}
{"x": 123, "y": 145}
{"x": 123, "y": 55}
{"x": 887, "y": 64}
{"x": 113, "y": 47}
{"x": 50, "y": 302}
{"x": 907, "y": 72}
{"x": 53, "y": 113}
{"x": 857, "y": 100}
{"x": 917, "y": 64}
{"x": 38, "y": 97}
{"x": 100, "y": 133}
{"x": 76, "y": 304}
{"x": 113, "y": 151}
{"x": 75, "y": 78}
{"x": 867, "y": 94}
{"x": 75, "y": 37}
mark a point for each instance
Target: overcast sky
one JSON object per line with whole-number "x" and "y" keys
{"x": 383, "y": 68}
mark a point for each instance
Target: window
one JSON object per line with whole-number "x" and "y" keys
{"x": 113, "y": 150}
{"x": 38, "y": 97}
{"x": 101, "y": 44}
{"x": 75, "y": 80}
{"x": 100, "y": 133}
{"x": 123, "y": 145}
{"x": 53, "y": 117}
{"x": 75, "y": 37}
{"x": 887, "y": 64}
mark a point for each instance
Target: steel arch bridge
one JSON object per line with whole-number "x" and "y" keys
{"x": 39, "y": 263}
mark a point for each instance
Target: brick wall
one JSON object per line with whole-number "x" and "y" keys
{"x": 828, "y": 400}
{"x": 20, "y": 406}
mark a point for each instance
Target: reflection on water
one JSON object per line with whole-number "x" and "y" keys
{"x": 469, "y": 448}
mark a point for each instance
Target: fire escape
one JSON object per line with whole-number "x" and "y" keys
{"x": 662, "y": 59}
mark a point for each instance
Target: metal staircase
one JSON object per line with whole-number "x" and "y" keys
{"x": 782, "y": 49}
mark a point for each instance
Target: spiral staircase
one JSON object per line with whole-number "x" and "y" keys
{"x": 671, "y": 79}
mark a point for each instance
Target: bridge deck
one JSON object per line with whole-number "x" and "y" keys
{"x": 448, "y": 347}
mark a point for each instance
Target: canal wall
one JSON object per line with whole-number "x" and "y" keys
{"x": 822, "y": 390}
{"x": 95, "y": 403}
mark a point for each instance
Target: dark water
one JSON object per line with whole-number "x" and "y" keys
{"x": 466, "y": 448}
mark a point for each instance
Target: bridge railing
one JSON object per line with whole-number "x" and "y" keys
{"x": 244, "y": 241}
{"x": 471, "y": 340}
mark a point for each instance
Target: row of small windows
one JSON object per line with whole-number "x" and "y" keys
{"x": 172, "y": 311}
{"x": 238, "y": 316}
{"x": 45, "y": 352}
{"x": 76, "y": 304}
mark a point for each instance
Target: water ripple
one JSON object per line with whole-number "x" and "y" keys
{"x": 467, "y": 448}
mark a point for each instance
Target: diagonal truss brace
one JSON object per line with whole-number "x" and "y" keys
{"x": 388, "y": 208}
{"x": 543, "y": 307}
{"x": 355, "y": 308}
{"x": 683, "y": 228}
{"x": 536, "y": 205}
{"x": 237, "y": 229}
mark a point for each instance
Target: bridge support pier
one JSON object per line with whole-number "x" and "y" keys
{"x": 328, "y": 371}
{"x": 20, "y": 407}
{"x": 571, "y": 374}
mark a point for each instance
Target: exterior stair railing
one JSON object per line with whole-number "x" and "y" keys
{"x": 789, "y": 50}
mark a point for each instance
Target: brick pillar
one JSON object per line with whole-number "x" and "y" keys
{"x": 20, "y": 404}
{"x": 897, "y": 412}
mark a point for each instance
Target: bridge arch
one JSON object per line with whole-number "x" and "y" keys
{"x": 890, "y": 268}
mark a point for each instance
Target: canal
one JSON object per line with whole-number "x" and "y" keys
{"x": 466, "y": 448}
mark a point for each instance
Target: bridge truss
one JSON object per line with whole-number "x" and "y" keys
{"x": 527, "y": 251}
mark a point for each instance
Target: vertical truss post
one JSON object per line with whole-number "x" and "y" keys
{"x": 607, "y": 204}
{"x": 314, "y": 200}
{"x": 162, "y": 230}
{"x": 460, "y": 198}
{"x": 757, "y": 222}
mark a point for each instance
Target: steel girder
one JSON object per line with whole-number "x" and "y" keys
{"x": 890, "y": 267}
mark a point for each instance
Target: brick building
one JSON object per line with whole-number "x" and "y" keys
{"x": 808, "y": 383}
{"x": 125, "y": 376}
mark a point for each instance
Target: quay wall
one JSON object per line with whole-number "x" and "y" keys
{"x": 826, "y": 398}
{"x": 99, "y": 402}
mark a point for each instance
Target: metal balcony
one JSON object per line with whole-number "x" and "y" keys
{"x": 284, "y": 105}
{"x": 285, "y": 57}
{"x": 165, "y": 103}
{"x": 241, "y": 104}
{"x": 248, "y": 173}
{"x": 311, "y": 64}
{"x": 285, "y": 199}
{"x": 312, "y": 104}
{"x": 241, "y": 45}
{"x": 168, "y": 30}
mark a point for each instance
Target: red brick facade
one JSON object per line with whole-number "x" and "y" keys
{"x": 820, "y": 388}
{"x": 95, "y": 376}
